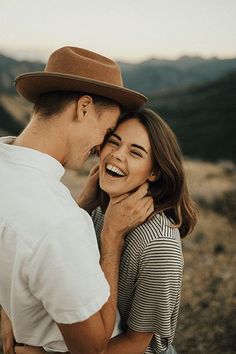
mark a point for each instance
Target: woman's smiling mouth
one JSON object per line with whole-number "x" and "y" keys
{"x": 114, "y": 171}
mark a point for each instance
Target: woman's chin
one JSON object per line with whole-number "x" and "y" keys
{"x": 114, "y": 189}
{"x": 111, "y": 190}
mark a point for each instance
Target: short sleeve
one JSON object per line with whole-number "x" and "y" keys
{"x": 64, "y": 273}
{"x": 157, "y": 287}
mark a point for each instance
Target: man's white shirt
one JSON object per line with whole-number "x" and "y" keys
{"x": 49, "y": 258}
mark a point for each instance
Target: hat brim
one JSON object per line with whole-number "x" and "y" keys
{"x": 33, "y": 85}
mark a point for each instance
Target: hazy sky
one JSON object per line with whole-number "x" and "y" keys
{"x": 131, "y": 30}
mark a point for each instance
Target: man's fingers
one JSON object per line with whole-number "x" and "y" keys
{"x": 120, "y": 198}
{"x": 94, "y": 170}
{"x": 144, "y": 208}
{"x": 143, "y": 204}
{"x": 146, "y": 201}
{"x": 140, "y": 192}
{"x": 150, "y": 209}
{"x": 129, "y": 210}
{"x": 133, "y": 197}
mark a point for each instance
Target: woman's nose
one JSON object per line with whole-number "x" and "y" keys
{"x": 119, "y": 154}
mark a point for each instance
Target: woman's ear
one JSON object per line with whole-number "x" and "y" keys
{"x": 154, "y": 176}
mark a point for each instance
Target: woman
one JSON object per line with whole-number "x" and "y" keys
{"x": 143, "y": 148}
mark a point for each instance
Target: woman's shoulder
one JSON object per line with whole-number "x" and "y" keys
{"x": 157, "y": 239}
{"x": 157, "y": 229}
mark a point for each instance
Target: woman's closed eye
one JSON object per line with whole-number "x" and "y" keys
{"x": 136, "y": 153}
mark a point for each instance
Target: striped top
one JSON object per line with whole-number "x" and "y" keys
{"x": 150, "y": 279}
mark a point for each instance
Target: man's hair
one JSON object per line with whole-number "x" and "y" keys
{"x": 53, "y": 103}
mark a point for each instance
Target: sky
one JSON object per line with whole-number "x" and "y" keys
{"x": 128, "y": 30}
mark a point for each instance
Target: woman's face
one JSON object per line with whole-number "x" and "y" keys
{"x": 126, "y": 159}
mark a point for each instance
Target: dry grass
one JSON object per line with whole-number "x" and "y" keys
{"x": 19, "y": 108}
{"x": 207, "y": 321}
{"x": 208, "y": 181}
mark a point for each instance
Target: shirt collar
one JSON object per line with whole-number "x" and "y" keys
{"x": 47, "y": 164}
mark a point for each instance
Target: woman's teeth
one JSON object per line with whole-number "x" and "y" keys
{"x": 115, "y": 170}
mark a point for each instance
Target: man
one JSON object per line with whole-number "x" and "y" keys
{"x": 53, "y": 288}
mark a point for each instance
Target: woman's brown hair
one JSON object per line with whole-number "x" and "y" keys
{"x": 169, "y": 191}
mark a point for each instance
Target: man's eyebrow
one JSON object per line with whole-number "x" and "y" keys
{"x": 135, "y": 145}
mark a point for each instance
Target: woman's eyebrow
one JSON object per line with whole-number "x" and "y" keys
{"x": 139, "y": 147}
{"x": 134, "y": 145}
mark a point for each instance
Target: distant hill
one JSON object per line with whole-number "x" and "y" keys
{"x": 196, "y": 96}
{"x": 8, "y": 124}
{"x": 148, "y": 77}
{"x": 10, "y": 68}
{"x": 203, "y": 117}
{"x": 154, "y": 74}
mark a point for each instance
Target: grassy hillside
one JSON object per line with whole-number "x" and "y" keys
{"x": 203, "y": 117}
{"x": 8, "y": 123}
{"x": 10, "y": 68}
{"x": 14, "y": 114}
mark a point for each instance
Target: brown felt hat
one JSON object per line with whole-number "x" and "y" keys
{"x": 77, "y": 69}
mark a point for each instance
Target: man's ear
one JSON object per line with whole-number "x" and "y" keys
{"x": 154, "y": 176}
{"x": 83, "y": 105}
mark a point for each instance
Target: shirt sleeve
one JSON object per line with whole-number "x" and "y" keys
{"x": 64, "y": 273}
{"x": 157, "y": 287}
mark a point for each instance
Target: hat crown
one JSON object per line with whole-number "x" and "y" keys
{"x": 79, "y": 70}
{"x": 84, "y": 63}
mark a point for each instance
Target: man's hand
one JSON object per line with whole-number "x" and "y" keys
{"x": 89, "y": 197}
{"x": 8, "y": 340}
{"x": 127, "y": 211}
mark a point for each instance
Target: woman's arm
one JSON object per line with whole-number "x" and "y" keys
{"x": 130, "y": 342}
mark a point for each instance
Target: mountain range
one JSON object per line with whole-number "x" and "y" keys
{"x": 196, "y": 96}
{"x": 152, "y": 75}
{"x": 203, "y": 116}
